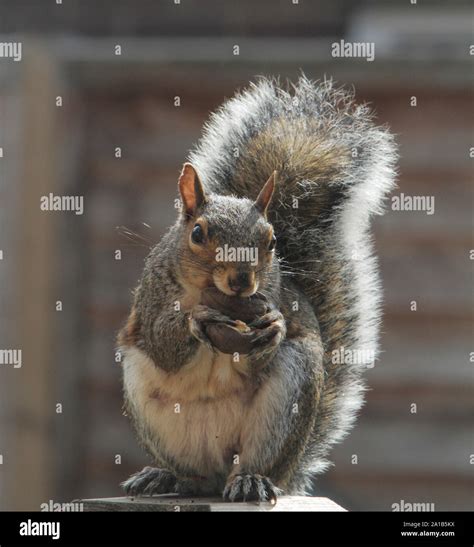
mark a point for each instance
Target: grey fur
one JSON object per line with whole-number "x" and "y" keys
{"x": 361, "y": 185}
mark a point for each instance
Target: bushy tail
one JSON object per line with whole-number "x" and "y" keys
{"x": 334, "y": 170}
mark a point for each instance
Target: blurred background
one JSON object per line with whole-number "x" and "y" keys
{"x": 78, "y": 119}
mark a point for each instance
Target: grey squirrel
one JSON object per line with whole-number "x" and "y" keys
{"x": 293, "y": 175}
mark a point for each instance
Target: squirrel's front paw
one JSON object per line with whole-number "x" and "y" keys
{"x": 271, "y": 330}
{"x": 250, "y": 487}
{"x": 149, "y": 481}
{"x": 203, "y": 316}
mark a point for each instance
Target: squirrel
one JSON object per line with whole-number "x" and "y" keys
{"x": 295, "y": 174}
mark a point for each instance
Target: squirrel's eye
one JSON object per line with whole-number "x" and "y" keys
{"x": 197, "y": 235}
{"x": 272, "y": 243}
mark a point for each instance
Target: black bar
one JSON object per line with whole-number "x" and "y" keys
{"x": 377, "y": 528}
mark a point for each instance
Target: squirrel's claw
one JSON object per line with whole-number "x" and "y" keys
{"x": 250, "y": 487}
{"x": 274, "y": 316}
{"x": 268, "y": 339}
{"x": 150, "y": 481}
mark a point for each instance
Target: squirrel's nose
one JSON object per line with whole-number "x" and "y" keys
{"x": 241, "y": 282}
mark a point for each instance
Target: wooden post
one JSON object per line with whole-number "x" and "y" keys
{"x": 30, "y": 451}
{"x": 174, "y": 503}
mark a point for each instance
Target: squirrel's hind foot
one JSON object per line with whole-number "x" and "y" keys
{"x": 150, "y": 481}
{"x": 248, "y": 487}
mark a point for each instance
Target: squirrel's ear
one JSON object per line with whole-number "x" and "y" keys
{"x": 191, "y": 190}
{"x": 263, "y": 200}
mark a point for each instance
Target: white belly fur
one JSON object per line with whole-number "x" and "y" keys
{"x": 212, "y": 395}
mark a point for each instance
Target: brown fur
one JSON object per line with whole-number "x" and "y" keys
{"x": 129, "y": 335}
